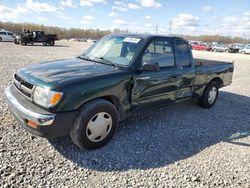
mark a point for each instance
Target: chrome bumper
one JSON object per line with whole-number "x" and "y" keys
{"x": 24, "y": 114}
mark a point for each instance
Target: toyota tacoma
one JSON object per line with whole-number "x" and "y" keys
{"x": 85, "y": 97}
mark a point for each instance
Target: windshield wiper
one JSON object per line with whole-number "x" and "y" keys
{"x": 104, "y": 60}
{"x": 84, "y": 57}
{"x": 87, "y": 58}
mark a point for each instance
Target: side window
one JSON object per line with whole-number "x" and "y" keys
{"x": 11, "y": 34}
{"x": 159, "y": 51}
{"x": 2, "y": 33}
{"x": 182, "y": 53}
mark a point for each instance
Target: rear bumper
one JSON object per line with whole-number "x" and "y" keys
{"x": 48, "y": 124}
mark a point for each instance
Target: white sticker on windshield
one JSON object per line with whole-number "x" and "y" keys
{"x": 132, "y": 40}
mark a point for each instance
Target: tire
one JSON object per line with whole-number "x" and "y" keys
{"x": 209, "y": 97}
{"x": 52, "y": 43}
{"x": 16, "y": 41}
{"x": 45, "y": 44}
{"x": 24, "y": 43}
{"x": 100, "y": 113}
{"x": 1, "y": 39}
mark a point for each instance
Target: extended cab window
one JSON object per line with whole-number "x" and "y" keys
{"x": 182, "y": 53}
{"x": 159, "y": 51}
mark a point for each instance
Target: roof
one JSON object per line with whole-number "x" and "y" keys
{"x": 145, "y": 36}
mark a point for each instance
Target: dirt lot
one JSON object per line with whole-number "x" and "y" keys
{"x": 181, "y": 145}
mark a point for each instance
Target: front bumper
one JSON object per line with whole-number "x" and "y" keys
{"x": 49, "y": 124}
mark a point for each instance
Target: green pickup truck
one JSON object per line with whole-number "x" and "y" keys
{"x": 88, "y": 95}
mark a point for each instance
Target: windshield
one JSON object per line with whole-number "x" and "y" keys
{"x": 116, "y": 50}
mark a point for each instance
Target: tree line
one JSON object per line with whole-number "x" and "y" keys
{"x": 64, "y": 33}
{"x": 216, "y": 38}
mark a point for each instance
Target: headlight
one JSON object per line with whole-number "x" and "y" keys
{"x": 46, "y": 97}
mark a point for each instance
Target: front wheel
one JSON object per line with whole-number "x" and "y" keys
{"x": 209, "y": 97}
{"x": 95, "y": 124}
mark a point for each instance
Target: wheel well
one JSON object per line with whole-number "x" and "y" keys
{"x": 115, "y": 101}
{"x": 218, "y": 80}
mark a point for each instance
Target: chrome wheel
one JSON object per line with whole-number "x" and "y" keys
{"x": 212, "y": 95}
{"x": 99, "y": 127}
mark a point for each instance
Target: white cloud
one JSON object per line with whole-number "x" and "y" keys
{"x": 185, "y": 20}
{"x": 149, "y": 25}
{"x": 87, "y": 19}
{"x": 119, "y": 3}
{"x": 39, "y": 7}
{"x": 120, "y": 8}
{"x": 133, "y": 6}
{"x": 68, "y": 3}
{"x": 148, "y": 17}
{"x": 42, "y": 19}
{"x": 119, "y": 22}
{"x": 63, "y": 16}
{"x": 207, "y": 9}
{"x": 123, "y": 7}
{"x": 150, "y": 3}
{"x": 230, "y": 19}
{"x": 7, "y": 13}
{"x": 112, "y": 14}
{"x": 91, "y": 2}
{"x": 247, "y": 13}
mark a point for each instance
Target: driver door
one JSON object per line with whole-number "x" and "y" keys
{"x": 157, "y": 86}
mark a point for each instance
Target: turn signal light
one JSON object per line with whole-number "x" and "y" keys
{"x": 55, "y": 98}
{"x": 32, "y": 124}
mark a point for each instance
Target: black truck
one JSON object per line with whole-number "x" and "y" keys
{"x": 35, "y": 37}
{"x": 88, "y": 95}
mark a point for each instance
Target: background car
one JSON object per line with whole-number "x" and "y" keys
{"x": 245, "y": 50}
{"x": 6, "y": 36}
{"x": 220, "y": 48}
{"x": 200, "y": 46}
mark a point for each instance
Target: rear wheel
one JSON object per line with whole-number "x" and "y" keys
{"x": 52, "y": 43}
{"x": 1, "y": 39}
{"x": 24, "y": 43}
{"x": 16, "y": 41}
{"x": 95, "y": 125}
{"x": 209, "y": 97}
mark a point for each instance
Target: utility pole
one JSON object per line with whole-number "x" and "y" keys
{"x": 156, "y": 28}
{"x": 170, "y": 27}
{"x": 244, "y": 37}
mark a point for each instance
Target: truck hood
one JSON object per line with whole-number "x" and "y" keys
{"x": 57, "y": 72}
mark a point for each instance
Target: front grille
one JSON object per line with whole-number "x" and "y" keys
{"x": 23, "y": 86}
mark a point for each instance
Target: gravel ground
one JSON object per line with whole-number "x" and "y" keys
{"x": 181, "y": 145}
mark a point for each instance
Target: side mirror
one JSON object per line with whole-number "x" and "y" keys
{"x": 150, "y": 66}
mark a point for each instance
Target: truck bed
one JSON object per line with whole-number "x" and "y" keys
{"x": 206, "y": 70}
{"x": 209, "y": 62}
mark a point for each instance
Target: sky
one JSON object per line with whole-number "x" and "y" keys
{"x": 194, "y": 17}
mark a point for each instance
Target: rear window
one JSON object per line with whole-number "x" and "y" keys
{"x": 2, "y": 33}
{"x": 182, "y": 53}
